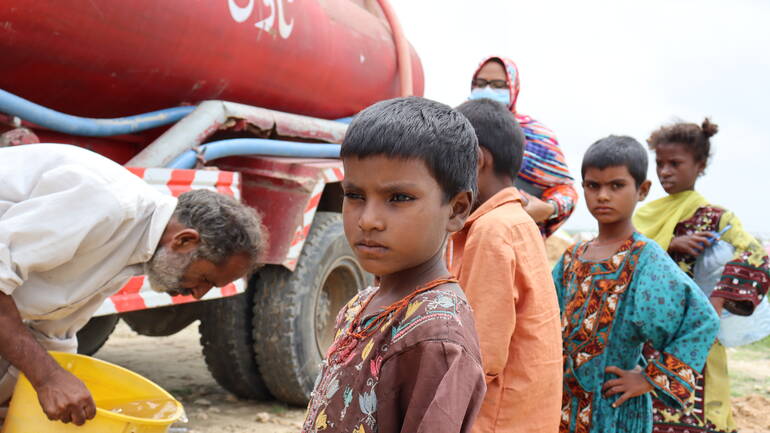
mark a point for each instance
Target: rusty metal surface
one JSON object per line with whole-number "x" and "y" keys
{"x": 287, "y": 124}
{"x": 18, "y": 136}
{"x": 281, "y": 190}
{"x": 210, "y": 116}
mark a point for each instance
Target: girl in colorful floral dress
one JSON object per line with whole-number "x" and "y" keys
{"x": 618, "y": 292}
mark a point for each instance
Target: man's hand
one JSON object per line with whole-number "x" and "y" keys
{"x": 693, "y": 244}
{"x": 62, "y": 396}
{"x": 65, "y": 398}
{"x": 538, "y": 209}
{"x": 629, "y": 382}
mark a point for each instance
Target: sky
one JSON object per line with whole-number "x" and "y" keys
{"x": 593, "y": 68}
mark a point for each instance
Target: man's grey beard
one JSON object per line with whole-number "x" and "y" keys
{"x": 166, "y": 269}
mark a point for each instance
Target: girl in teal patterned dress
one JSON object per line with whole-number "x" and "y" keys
{"x": 618, "y": 292}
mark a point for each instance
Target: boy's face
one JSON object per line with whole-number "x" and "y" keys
{"x": 394, "y": 213}
{"x": 611, "y": 193}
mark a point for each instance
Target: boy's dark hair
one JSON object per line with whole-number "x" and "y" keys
{"x": 692, "y": 136}
{"x": 616, "y": 150}
{"x": 498, "y": 132}
{"x": 418, "y": 128}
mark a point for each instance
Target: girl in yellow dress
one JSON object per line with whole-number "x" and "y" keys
{"x": 684, "y": 223}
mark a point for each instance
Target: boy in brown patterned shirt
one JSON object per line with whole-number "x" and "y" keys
{"x": 406, "y": 355}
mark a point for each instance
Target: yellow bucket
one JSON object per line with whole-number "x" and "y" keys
{"x": 111, "y": 387}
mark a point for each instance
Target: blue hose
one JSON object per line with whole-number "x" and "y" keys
{"x": 85, "y": 126}
{"x": 346, "y": 120}
{"x": 257, "y": 146}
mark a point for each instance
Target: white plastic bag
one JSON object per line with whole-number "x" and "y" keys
{"x": 734, "y": 330}
{"x": 737, "y": 330}
{"x": 710, "y": 265}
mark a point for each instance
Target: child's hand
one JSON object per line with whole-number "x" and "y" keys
{"x": 629, "y": 382}
{"x": 693, "y": 244}
{"x": 718, "y": 303}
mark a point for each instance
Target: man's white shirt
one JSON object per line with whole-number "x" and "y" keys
{"x": 74, "y": 227}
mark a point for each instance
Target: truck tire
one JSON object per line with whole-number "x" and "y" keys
{"x": 92, "y": 337}
{"x": 228, "y": 345}
{"x": 295, "y": 312}
{"x": 162, "y": 321}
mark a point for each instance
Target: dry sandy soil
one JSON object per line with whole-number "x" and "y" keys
{"x": 750, "y": 383}
{"x": 176, "y": 364}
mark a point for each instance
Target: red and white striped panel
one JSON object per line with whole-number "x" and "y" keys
{"x": 177, "y": 181}
{"x": 137, "y": 295}
{"x": 328, "y": 175}
{"x": 332, "y": 175}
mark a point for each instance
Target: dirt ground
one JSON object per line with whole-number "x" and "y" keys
{"x": 751, "y": 413}
{"x": 750, "y": 384}
{"x": 176, "y": 364}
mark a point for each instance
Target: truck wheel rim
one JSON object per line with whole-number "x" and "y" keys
{"x": 340, "y": 284}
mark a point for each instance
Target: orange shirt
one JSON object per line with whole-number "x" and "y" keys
{"x": 499, "y": 258}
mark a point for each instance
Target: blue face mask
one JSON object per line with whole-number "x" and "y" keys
{"x": 502, "y": 96}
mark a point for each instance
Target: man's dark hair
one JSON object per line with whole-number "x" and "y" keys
{"x": 418, "y": 128}
{"x": 226, "y": 226}
{"x": 617, "y": 150}
{"x": 498, "y": 132}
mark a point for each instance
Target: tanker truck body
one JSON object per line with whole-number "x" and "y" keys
{"x": 240, "y": 94}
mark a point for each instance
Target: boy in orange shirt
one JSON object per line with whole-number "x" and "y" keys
{"x": 501, "y": 263}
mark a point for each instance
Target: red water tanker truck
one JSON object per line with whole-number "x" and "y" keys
{"x": 237, "y": 96}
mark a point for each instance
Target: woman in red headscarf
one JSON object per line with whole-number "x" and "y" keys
{"x": 544, "y": 178}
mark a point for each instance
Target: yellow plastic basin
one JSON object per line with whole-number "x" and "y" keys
{"x": 111, "y": 386}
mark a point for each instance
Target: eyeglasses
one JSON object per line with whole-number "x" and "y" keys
{"x": 495, "y": 84}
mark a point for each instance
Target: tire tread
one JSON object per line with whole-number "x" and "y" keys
{"x": 226, "y": 338}
{"x": 277, "y": 304}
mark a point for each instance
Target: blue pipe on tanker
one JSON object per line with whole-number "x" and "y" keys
{"x": 346, "y": 120}
{"x": 256, "y": 146}
{"x": 85, "y": 126}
